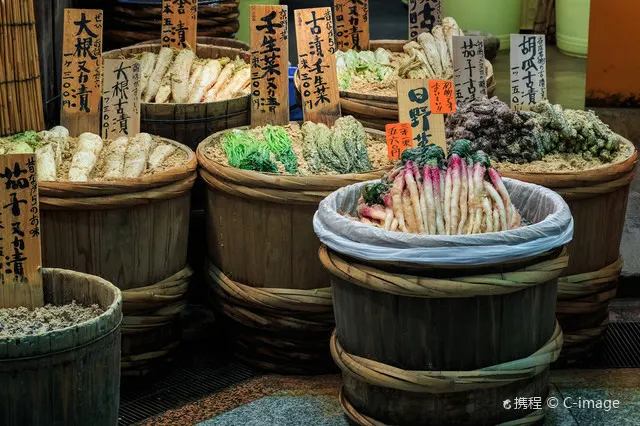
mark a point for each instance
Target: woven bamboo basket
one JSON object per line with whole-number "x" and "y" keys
{"x": 263, "y": 270}
{"x": 598, "y": 202}
{"x": 212, "y": 41}
{"x": 376, "y": 111}
{"x": 191, "y": 123}
{"x": 133, "y": 233}
{"x": 440, "y": 345}
{"x": 70, "y": 376}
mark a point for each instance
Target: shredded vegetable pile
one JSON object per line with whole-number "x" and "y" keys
{"x": 428, "y": 195}
{"x": 245, "y": 151}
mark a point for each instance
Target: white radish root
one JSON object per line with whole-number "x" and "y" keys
{"x": 464, "y": 198}
{"x": 415, "y": 197}
{"x": 497, "y": 201}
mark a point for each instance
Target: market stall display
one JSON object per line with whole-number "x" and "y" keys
{"x": 579, "y": 157}
{"x": 213, "y": 41}
{"x": 263, "y": 187}
{"x": 491, "y": 296}
{"x": 119, "y": 209}
{"x": 367, "y": 79}
{"x": 63, "y": 367}
{"x": 186, "y": 97}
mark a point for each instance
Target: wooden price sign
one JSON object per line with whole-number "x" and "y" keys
{"x": 398, "y": 139}
{"x": 528, "y": 70}
{"x": 179, "y": 23}
{"x": 121, "y": 98}
{"x": 423, "y": 16}
{"x": 20, "y": 256}
{"x": 414, "y": 106}
{"x": 352, "y": 24}
{"x": 317, "y": 65}
{"x": 468, "y": 68}
{"x": 269, "y": 65}
{"x": 81, "y": 71}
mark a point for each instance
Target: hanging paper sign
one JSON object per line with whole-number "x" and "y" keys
{"x": 121, "y": 98}
{"x": 20, "y": 256}
{"x": 269, "y": 65}
{"x": 528, "y": 70}
{"x": 398, "y": 139}
{"x": 179, "y": 23}
{"x": 414, "y": 107}
{"x": 442, "y": 97}
{"x": 469, "y": 73}
{"x": 423, "y": 16}
{"x": 317, "y": 65}
{"x": 352, "y": 24}
{"x": 81, "y": 70}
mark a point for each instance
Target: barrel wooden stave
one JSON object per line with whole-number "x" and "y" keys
{"x": 69, "y": 376}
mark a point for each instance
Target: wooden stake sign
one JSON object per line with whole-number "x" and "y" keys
{"x": 81, "y": 71}
{"x": 317, "y": 65}
{"x": 179, "y": 23}
{"x": 423, "y": 16}
{"x": 468, "y": 68}
{"x": 20, "y": 257}
{"x": 414, "y": 106}
{"x": 528, "y": 70}
{"x": 269, "y": 65}
{"x": 121, "y": 98}
{"x": 352, "y": 24}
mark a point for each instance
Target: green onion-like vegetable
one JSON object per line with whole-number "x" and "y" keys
{"x": 279, "y": 143}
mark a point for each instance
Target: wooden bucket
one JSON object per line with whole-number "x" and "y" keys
{"x": 443, "y": 345}
{"x": 376, "y": 111}
{"x": 213, "y": 41}
{"x": 263, "y": 268}
{"x": 191, "y": 123}
{"x": 133, "y": 233}
{"x": 598, "y": 202}
{"x": 70, "y": 376}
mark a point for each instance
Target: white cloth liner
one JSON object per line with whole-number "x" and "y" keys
{"x": 552, "y": 227}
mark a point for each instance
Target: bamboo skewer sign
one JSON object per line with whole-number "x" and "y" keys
{"x": 414, "y": 106}
{"x": 423, "y": 16}
{"x": 317, "y": 65}
{"x": 121, "y": 98}
{"x": 468, "y": 68}
{"x": 81, "y": 71}
{"x": 179, "y": 23}
{"x": 269, "y": 66}
{"x": 352, "y": 24}
{"x": 20, "y": 256}
{"x": 528, "y": 70}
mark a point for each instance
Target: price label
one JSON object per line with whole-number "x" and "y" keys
{"x": 81, "y": 70}
{"x": 317, "y": 65}
{"x": 528, "y": 70}
{"x": 398, "y": 139}
{"x": 469, "y": 74}
{"x": 441, "y": 96}
{"x": 352, "y": 24}
{"x": 20, "y": 255}
{"x": 423, "y": 16}
{"x": 414, "y": 107}
{"x": 121, "y": 98}
{"x": 179, "y": 23}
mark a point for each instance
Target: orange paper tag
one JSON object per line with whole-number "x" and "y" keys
{"x": 442, "y": 96}
{"x": 398, "y": 139}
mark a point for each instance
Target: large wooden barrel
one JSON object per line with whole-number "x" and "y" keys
{"x": 376, "y": 111}
{"x": 263, "y": 267}
{"x": 191, "y": 123}
{"x": 447, "y": 334}
{"x": 598, "y": 202}
{"x": 213, "y": 41}
{"x": 133, "y": 233}
{"x": 70, "y": 376}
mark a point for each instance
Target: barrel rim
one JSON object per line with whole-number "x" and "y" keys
{"x": 84, "y": 333}
{"x": 606, "y": 173}
{"x": 277, "y": 181}
{"x": 68, "y": 189}
{"x": 155, "y": 47}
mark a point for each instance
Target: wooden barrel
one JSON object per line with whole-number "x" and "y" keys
{"x": 598, "y": 202}
{"x": 263, "y": 267}
{"x": 439, "y": 345}
{"x": 213, "y": 41}
{"x": 133, "y": 233}
{"x": 191, "y": 123}
{"x": 70, "y": 376}
{"x": 376, "y": 111}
